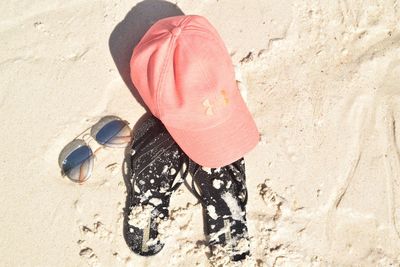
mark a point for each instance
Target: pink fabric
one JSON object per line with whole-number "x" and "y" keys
{"x": 185, "y": 75}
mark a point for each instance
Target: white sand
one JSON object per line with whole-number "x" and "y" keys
{"x": 324, "y": 86}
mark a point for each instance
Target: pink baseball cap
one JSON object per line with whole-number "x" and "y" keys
{"x": 185, "y": 75}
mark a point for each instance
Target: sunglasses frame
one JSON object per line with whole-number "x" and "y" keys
{"x": 89, "y": 140}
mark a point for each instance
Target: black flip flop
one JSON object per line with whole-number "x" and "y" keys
{"x": 156, "y": 162}
{"x": 223, "y": 195}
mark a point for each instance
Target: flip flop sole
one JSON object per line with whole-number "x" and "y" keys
{"x": 156, "y": 162}
{"x": 224, "y": 208}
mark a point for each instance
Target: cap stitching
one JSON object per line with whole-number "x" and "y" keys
{"x": 200, "y": 65}
{"x": 163, "y": 74}
{"x": 164, "y": 70}
{"x": 140, "y": 44}
{"x": 164, "y": 34}
{"x": 185, "y": 20}
{"x": 173, "y": 41}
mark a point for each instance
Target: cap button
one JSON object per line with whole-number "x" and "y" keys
{"x": 176, "y": 31}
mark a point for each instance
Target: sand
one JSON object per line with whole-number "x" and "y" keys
{"x": 324, "y": 87}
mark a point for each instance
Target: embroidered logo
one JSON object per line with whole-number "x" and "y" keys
{"x": 219, "y": 101}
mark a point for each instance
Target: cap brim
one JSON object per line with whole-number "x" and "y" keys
{"x": 220, "y": 145}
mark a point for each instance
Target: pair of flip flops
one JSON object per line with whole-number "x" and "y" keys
{"x": 157, "y": 167}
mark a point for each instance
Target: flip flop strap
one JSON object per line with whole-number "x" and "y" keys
{"x": 194, "y": 190}
{"x": 184, "y": 159}
{"x": 243, "y": 189}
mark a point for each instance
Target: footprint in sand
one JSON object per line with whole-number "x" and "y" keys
{"x": 89, "y": 233}
{"x": 365, "y": 205}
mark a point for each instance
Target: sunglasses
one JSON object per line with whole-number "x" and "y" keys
{"x": 76, "y": 158}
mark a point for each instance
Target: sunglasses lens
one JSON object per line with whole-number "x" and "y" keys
{"x": 114, "y": 134}
{"x": 78, "y": 164}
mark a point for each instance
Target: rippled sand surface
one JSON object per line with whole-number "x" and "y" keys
{"x": 323, "y": 82}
